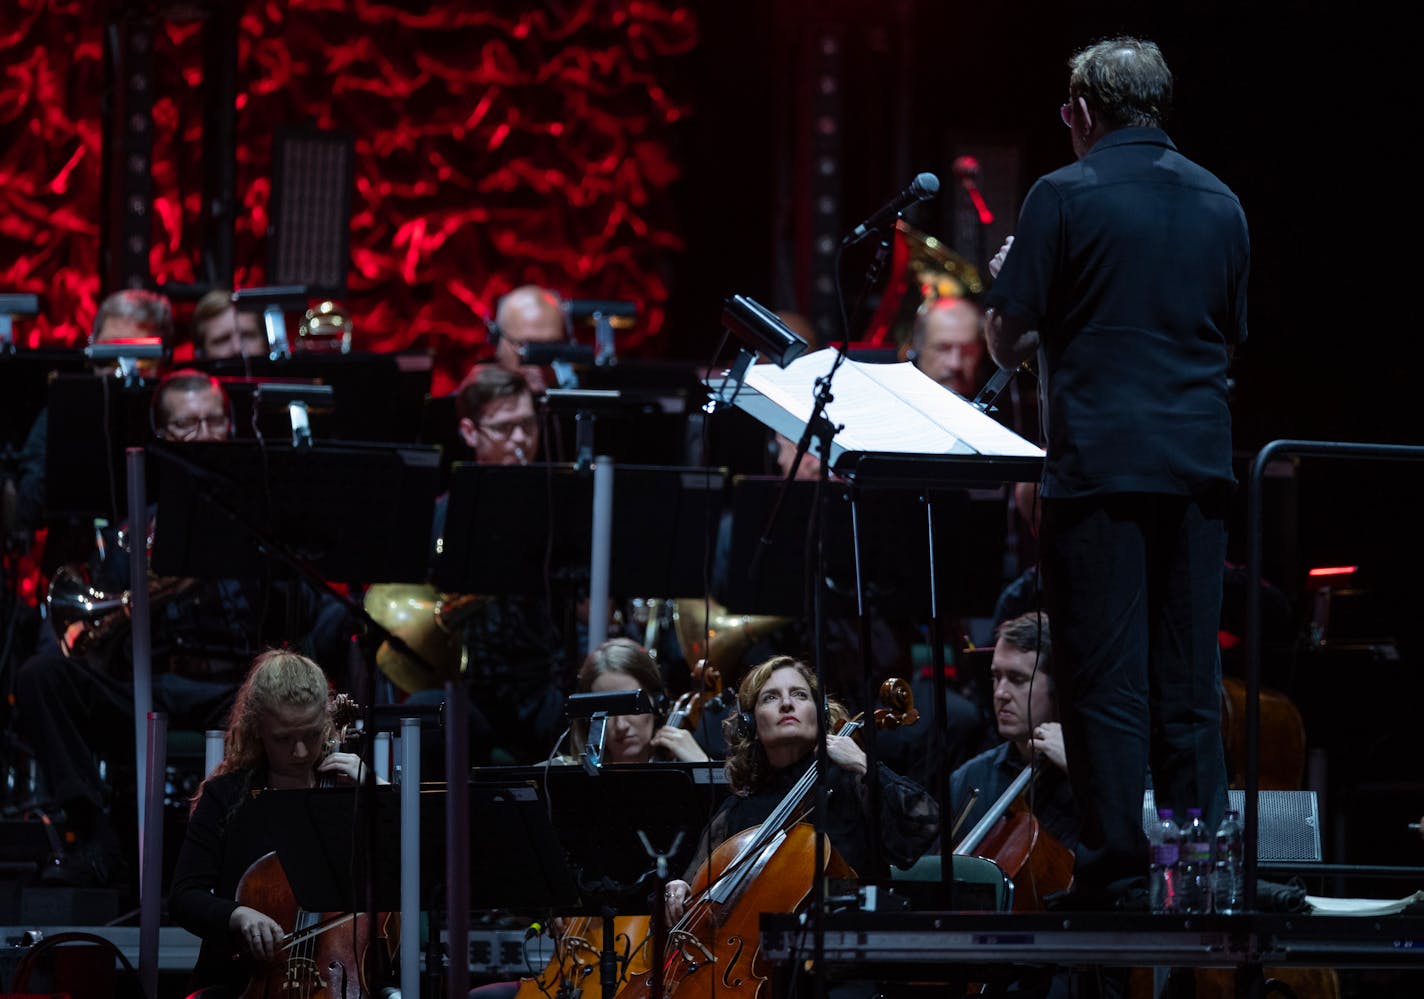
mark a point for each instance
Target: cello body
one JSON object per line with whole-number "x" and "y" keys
{"x": 338, "y": 963}
{"x": 575, "y": 964}
{"x": 715, "y": 947}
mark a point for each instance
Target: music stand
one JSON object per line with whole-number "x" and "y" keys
{"x": 498, "y": 529}
{"x": 346, "y": 512}
{"x": 92, "y": 419}
{"x": 894, "y": 561}
{"x": 379, "y": 397}
{"x": 313, "y": 831}
{"x": 516, "y": 861}
{"x": 24, "y": 385}
{"x": 597, "y": 820}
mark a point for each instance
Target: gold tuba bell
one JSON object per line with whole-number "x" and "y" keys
{"x": 428, "y": 622}
{"x": 706, "y": 631}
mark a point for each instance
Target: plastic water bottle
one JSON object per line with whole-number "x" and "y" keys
{"x": 1194, "y": 865}
{"x": 1164, "y": 846}
{"x": 1227, "y": 866}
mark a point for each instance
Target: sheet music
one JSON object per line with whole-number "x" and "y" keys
{"x": 891, "y": 408}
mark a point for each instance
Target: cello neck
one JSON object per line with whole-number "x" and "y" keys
{"x": 788, "y": 808}
{"x": 981, "y": 828}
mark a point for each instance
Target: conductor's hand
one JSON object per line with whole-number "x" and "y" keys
{"x": 675, "y": 900}
{"x": 997, "y": 261}
{"x": 261, "y": 935}
{"x": 845, "y": 753}
{"x": 679, "y": 744}
{"x": 1048, "y": 740}
{"x": 347, "y": 768}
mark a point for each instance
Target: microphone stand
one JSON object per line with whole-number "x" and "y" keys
{"x": 823, "y": 430}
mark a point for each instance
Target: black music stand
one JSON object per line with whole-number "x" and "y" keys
{"x": 92, "y": 419}
{"x": 597, "y": 820}
{"x": 500, "y": 518}
{"x": 601, "y": 823}
{"x": 895, "y": 563}
{"x": 24, "y": 385}
{"x": 344, "y": 512}
{"x": 516, "y": 861}
{"x": 379, "y": 397}
{"x": 312, "y": 832}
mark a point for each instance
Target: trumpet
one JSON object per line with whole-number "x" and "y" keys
{"x": 85, "y": 618}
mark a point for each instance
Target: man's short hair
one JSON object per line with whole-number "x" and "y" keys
{"x": 1125, "y": 81}
{"x": 1029, "y": 633}
{"x": 210, "y": 306}
{"x": 483, "y": 385}
{"x": 146, "y": 307}
{"x": 182, "y": 380}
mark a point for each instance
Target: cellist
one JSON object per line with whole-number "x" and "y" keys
{"x": 278, "y": 736}
{"x": 1027, "y": 720}
{"x": 771, "y": 743}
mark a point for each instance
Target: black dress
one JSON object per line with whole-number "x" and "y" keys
{"x": 908, "y": 822}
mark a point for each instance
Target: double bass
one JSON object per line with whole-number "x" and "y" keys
{"x": 324, "y": 955}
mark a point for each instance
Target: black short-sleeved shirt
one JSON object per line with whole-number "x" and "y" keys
{"x": 1132, "y": 264}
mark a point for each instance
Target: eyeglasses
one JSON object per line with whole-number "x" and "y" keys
{"x": 187, "y": 429}
{"x": 505, "y": 429}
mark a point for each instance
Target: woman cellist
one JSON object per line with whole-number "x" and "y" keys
{"x": 623, "y": 664}
{"x": 771, "y": 744}
{"x": 279, "y": 735}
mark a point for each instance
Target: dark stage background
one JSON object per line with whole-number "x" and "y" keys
{"x": 657, "y": 151}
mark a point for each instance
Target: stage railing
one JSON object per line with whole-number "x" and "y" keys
{"x": 1272, "y": 451}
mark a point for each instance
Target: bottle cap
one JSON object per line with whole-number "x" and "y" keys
{"x": 1165, "y": 813}
{"x": 1196, "y": 812}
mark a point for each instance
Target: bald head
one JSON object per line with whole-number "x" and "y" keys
{"x": 949, "y": 344}
{"x": 528, "y": 314}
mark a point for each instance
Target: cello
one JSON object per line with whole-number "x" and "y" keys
{"x": 578, "y": 949}
{"x": 332, "y": 955}
{"x": 714, "y": 946}
{"x": 1011, "y": 836}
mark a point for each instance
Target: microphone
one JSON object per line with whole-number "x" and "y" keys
{"x": 966, "y": 171}
{"x": 924, "y": 186}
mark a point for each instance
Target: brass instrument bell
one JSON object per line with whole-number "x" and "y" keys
{"x": 705, "y": 630}
{"x": 428, "y": 622}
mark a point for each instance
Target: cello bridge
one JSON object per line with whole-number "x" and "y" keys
{"x": 684, "y": 941}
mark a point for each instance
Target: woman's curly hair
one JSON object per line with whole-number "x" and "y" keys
{"x": 747, "y": 765}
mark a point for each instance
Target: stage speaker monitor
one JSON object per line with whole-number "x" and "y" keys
{"x": 1288, "y": 824}
{"x": 309, "y": 235}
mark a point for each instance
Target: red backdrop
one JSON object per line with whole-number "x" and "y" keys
{"x": 494, "y": 147}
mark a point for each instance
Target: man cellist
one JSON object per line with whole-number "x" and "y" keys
{"x": 1027, "y": 720}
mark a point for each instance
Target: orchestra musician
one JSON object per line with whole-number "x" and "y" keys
{"x": 513, "y": 643}
{"x": 221, "y": 331}
{"x": 771, "y": 743}
{"x": 77, "y": 698}
{"x": 1026, "y": 717}
{"x": 623, "y": 664}
{"x": 280, "y": 736}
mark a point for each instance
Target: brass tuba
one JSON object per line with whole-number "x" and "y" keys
{"x": 706, "y": 631}
{"x": 427, "y": 621}
{"x": 85, "y": 618}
